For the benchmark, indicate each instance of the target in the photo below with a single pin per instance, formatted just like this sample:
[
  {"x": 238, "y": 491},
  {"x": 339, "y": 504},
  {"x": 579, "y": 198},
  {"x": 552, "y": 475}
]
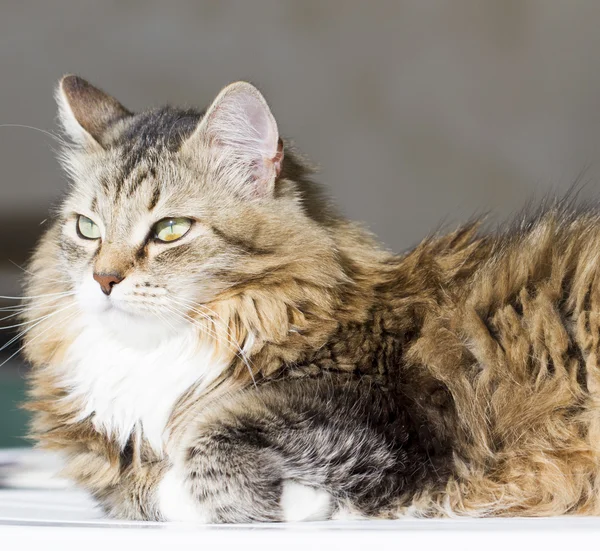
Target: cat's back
[{"x": 512, "y": 329}]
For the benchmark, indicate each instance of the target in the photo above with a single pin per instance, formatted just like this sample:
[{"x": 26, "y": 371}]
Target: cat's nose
[{"x": 108, "y": 281}]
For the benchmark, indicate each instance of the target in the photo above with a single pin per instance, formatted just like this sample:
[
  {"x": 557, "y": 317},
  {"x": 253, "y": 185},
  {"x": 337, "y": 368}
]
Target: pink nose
[{"x": 108, "y": 281}]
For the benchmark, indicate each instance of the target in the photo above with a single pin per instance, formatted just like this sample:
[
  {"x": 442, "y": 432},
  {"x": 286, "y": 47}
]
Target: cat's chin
[
  {"x": 132, "y": 329},
  {"x": 131, "y": 326}
]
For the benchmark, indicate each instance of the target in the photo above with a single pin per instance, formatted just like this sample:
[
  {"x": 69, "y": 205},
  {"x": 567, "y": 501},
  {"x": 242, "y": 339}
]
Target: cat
[{"x": 211, "y": 341}]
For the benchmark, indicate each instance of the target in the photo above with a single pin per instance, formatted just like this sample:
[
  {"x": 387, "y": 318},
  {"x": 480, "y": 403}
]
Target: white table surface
[{"x": 37, "y": 509}]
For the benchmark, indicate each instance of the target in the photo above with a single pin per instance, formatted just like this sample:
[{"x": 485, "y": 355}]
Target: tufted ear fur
[
  {"x": 241, "y": 134},
  {"x": 85, "y": 112}
]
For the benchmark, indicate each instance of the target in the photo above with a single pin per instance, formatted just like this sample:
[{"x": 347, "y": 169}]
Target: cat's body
[{"x": 287, "y": 368}]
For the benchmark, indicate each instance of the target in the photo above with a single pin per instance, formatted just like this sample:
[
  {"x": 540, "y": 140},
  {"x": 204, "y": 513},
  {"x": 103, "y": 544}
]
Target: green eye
[
  {"x": 87, "y": 228},
  {"x": 171, "y": 229}
]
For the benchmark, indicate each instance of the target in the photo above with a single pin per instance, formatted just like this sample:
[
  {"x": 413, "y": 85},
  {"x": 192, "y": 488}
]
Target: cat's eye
[
  {"x": 171, "y": 229},
  {"x": 86, "y": 228}
]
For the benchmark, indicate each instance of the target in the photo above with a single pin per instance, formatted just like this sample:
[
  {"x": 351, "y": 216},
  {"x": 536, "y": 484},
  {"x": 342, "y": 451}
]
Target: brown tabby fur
[{"x": 493, "y": 336}]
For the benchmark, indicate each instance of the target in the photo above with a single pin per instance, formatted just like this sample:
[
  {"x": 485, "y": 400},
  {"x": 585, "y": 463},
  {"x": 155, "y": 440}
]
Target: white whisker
[
  {"x": 19, "y": 310},
  {"x": 69, "y": 316},
  {"x": 25, "y": 331},
  {"x": 22, "y": 324},
  {"x": 192, "y": 306},
  {"x": 164, "y": 319},
  {"x": 48, "y": 133},
  {"x": 53, "y": 279},
  {"x": 62, "y": 294},
  {"x": 185, "y": 317},
  {"x": 231, "y": 340},
  {"x": 17, "y": 313}
]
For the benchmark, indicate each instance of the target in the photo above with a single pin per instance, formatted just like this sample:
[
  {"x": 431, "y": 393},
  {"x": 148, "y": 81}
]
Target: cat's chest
[{"x": 123, "y": 387}]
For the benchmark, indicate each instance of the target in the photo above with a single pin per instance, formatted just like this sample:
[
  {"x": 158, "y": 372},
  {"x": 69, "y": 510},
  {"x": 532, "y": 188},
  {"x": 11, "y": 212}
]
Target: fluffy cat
[{"x": 210, "y": 342}]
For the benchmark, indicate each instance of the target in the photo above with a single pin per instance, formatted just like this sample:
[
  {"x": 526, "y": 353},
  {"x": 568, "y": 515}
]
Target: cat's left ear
[
  {"x": 86, "y": 112},
  {"x": 241, "y": 135}
]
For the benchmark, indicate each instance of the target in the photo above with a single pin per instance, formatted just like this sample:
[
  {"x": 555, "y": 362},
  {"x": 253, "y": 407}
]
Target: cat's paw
[
  {"x": 346, "y": 514},
  {"x": 302, "y": 503},
  {"x": 176, "y": 502}
]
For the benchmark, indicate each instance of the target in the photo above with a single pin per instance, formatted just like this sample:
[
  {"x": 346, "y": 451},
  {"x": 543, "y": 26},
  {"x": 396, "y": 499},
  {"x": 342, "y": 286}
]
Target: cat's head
[{"x": 170, "y": 209}]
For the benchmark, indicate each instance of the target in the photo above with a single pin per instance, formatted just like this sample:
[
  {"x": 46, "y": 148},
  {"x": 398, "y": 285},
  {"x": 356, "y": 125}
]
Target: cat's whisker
[
  {"x": 214, "y": 320},
  {"x": 211, "y": 332},
  {"x": 21, "y": 309},
  {"x": 56, "y": 137},
  {"x": 61, "y": 280},
  {"x": 64, "y": 280},
  {"x": 17, "y": 313},
  {"x": 25, "y": 305},
  {"x": 241, "y": 355},
  {"x": 12, "y": 340},
  {"x": 16, "y": 308},
  {"x": 214, "y": 316},
  {"x": 231, "y": 340},
  {"x": 193, "y": 307},
  {"x": 159, "y": 314},
  {"x": 25, "y": 331},
  {"x": 61, "y": 294},
  {"x": 214, "y": 335},
  {"x": 24, "y": 323},
  {"x": 197, "y": 324},
  {"x": 68, "y": 317}
]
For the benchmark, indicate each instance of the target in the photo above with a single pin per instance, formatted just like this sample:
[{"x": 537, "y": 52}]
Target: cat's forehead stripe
[
  {"x": 138, "y": 149},
  {"x": 105, "y": 183},
  {"x": 136, "y": 182},
  {"x": 155, "y": 198},
  {"x": 133, "y": 176},
  {"x": 165, "y": 127},
  {"x": 129, "y": 162},
  {"x": 145, "y": 139}
]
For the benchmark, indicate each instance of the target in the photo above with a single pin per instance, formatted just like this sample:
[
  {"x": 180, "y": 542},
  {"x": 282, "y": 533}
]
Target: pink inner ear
[
  {"x": 258, "y": 119},
  {"x": 241, "y": 121}
]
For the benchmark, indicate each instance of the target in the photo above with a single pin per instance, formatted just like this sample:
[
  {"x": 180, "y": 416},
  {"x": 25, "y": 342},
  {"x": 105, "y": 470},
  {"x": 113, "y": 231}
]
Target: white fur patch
[
  {"x": 130, "y": 372},
  {"x": 345, "y": 514},
  {"x": 175, "y": 502},
  {"x": 302, "y": 503}
]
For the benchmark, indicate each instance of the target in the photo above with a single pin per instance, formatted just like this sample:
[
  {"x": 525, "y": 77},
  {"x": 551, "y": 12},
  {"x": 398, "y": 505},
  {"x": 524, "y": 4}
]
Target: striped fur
[{"x": 460, "y": 378}]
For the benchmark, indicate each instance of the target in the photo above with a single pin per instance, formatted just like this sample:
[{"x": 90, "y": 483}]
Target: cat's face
[{"x": 169, "y": 208}]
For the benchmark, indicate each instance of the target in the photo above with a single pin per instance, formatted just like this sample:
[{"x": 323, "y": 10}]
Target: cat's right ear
[
  {"x": 86, "y": 112},
  {"x": 241, "y": 135}
]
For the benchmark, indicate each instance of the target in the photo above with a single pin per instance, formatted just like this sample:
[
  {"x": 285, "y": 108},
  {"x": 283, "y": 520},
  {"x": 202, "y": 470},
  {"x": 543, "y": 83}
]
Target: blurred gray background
[{"x": 416, "y": 112}]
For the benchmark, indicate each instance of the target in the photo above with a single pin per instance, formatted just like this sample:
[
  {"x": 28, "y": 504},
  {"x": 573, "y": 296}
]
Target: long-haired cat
[{"x": 210, "y": 342}]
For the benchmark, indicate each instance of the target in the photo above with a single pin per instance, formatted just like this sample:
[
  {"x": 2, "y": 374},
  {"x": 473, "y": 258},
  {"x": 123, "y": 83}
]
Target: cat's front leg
[
  {"x": 134, "y": 495},
  {"x": 291, "y": 451},
  {"x": 229, "y": 476}
]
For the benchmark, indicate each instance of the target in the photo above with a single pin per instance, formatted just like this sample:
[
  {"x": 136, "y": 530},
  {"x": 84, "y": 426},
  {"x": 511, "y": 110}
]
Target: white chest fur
[{"x": 124, "y": 386}]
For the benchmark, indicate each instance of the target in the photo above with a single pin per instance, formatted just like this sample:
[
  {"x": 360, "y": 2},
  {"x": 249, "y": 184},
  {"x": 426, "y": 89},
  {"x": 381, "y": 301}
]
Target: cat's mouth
[
  {"x": 129, "y": 308},
  {"x": 134, "y": 329},
  {"x": 128, "y": 311},
  {"x": 122, "y": 300},
  {"x": 115, "y": 306}
]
